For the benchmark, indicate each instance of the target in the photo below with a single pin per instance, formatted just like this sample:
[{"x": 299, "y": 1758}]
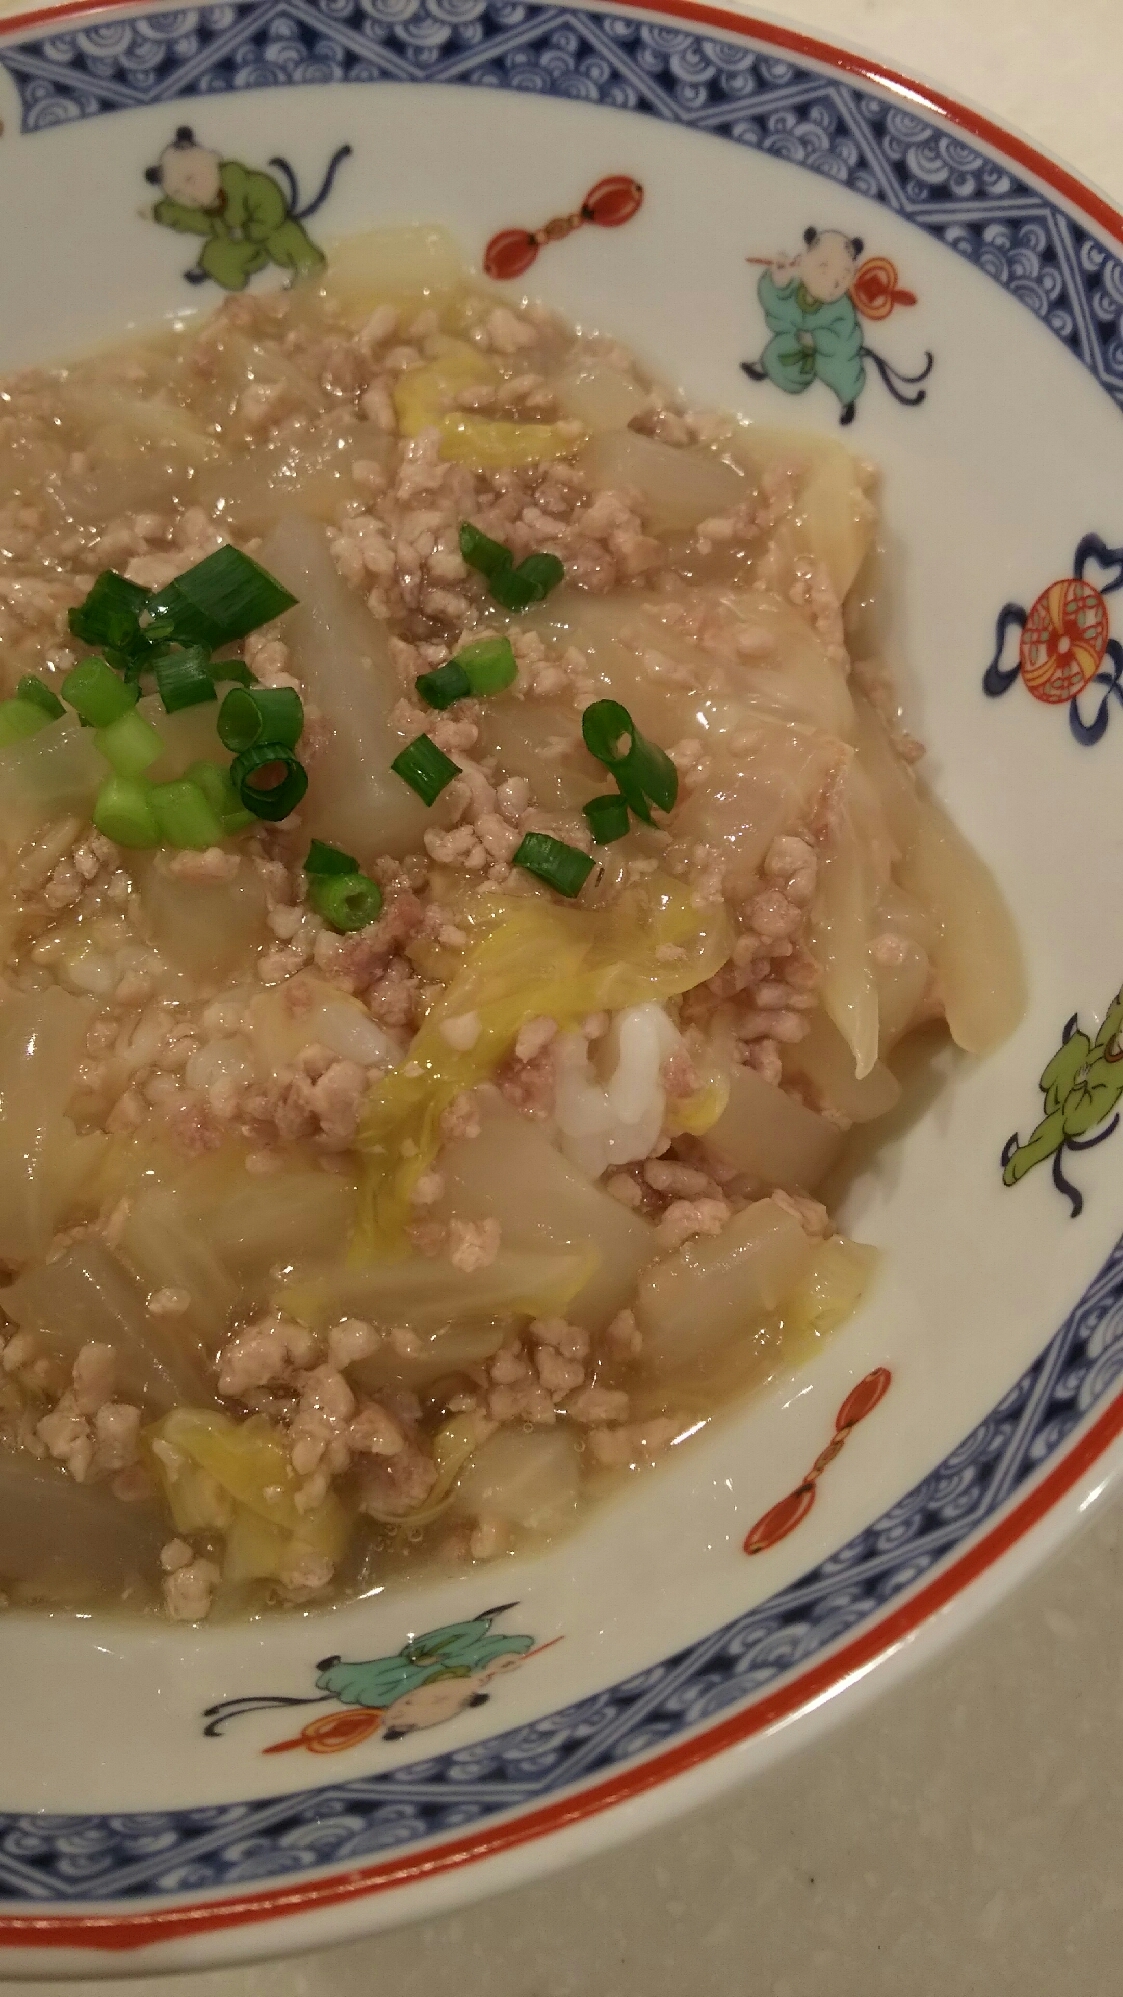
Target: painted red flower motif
[
  {"x": 1063, "y": 640},
  {"x": 784, "y": 1517},
  {"x": 608, "y": 205},
  {"x": 875, "y": 290},
  {"x": 331, "y": 1733}
]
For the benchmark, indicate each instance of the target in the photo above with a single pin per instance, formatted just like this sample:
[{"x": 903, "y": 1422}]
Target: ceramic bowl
[{"x": 859, "y": 1511}]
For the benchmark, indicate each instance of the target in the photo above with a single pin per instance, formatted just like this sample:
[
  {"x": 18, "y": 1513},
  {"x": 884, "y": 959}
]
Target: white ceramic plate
[{"x": 657, "y": 1659}]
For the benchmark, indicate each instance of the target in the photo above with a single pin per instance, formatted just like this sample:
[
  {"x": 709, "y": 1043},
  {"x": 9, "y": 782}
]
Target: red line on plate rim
[
  {"x": 119, "y": 1932},
  {"x": 126, "y": 1931}
]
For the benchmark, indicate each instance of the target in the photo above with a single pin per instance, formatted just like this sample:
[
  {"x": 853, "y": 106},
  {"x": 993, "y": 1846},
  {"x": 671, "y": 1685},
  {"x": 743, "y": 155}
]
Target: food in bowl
[{"x": 464, "y": 878}]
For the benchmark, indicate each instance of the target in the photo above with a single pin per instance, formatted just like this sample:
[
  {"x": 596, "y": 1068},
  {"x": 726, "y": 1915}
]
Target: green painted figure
[
  {"x": 246, "y": 219},
  {"x": 816, "y": 333},
  {"x": 811, "y": 304},
  {"x": 1082, "y": 1085},
  {"x": 429, "y": 1681},
  {"x": 459, "y": 1650}
]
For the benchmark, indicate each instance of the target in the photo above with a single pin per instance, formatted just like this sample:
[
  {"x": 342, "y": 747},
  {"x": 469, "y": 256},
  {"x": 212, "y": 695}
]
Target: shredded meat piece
[
  {"x": 374, "y": 1432},
  {"x": 262, "y": 1353},
  {"x": 811, "y": 1214},
  {"x": 530, "y": 1085},
  {"x": 473, "y": 1244},
  {"x": 526, "y": 1400},
  {"x": 684, "y": 1219},
  {"x": 350, "y": 1340},
  {"x": 533, "y": 1037},
  {"x": 571, "y": 1340},
  {"x": 393, "y": 1486},
  {"x": 558, "y": 1375},
  {"x": 189, "y": 1591},
  {"x": 623, "y": 1337},
  {"x": 489, "y": 1537}
]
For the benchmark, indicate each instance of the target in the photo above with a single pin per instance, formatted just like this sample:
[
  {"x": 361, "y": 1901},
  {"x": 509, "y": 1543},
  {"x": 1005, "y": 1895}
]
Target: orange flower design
[{"x": 1064, "y": 640}]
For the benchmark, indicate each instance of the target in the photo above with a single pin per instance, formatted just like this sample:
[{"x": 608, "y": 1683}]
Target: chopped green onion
[
  {"x": 426, "y": 768},
  {"x": 36, "y": 691},
  {"x": 347, "y": 901},
  {"x": 19, "y": 719},
  {"x": 185, "y": 816},
  {"x": 183, "y": 679},
  {"x": 608, "y": 731},
  {"x": 541, "y": 573},
  {"x": 560, "y": 866},
  {"x": 485, "y": 666},
  {"x": 488, "y": 663},
  {"x": 608, "y": 817},
  {"x": 249, "y": 715},
  {"x": 130, "y": 743},
  {"x": 222, "y": 598},
  {"x": 515, "y": 588},
  {"x": 644, "y": 773},
  {"x": 280, "y": 780},
  {"x": 215, "y": 784},
  {"x": 97, "y": 694},
  {"x": 110, "y": 614},
  {"x": 444, "y": 685},
  {"x": 489, "y": 558},
  {"x": 512, "y": 591},
  {"x": 324, "y": 859},
  {"x": 232, "y": 669},
  {"x": 123, "y": 811}
]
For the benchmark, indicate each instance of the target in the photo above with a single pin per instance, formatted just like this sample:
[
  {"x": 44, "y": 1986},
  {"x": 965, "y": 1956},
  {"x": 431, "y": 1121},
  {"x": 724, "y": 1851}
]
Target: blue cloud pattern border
[
  {"x": 1071, "y": 281},
  {"x": 47, "y": 1861},
  {"x": 922, "y": 171}
]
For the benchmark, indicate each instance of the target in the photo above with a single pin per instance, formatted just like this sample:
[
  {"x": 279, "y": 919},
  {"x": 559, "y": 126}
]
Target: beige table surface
[{"x": 964, "y": 1836}]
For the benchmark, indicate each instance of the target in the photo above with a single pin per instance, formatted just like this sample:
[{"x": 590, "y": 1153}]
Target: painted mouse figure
[
  {"x": 816, "y": 333},
  {"x": 246, "y": 218}
]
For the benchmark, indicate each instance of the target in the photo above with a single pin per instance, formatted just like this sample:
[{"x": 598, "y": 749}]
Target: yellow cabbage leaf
[
  {"x": 422, "y": 396},
  {"x": 250, "y": 1463},
  {"x": 533, "y": 960},
  {"x": 489, "y": 443}
]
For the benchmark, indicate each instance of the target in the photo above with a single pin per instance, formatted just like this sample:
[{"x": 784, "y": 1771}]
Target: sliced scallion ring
[
  {"x": 444, "y": 685},
  {"x": 562, "y": 867},
  {"x": 250, "y": 715},
  {"x": 426, "y": 768},
  {"x": 97, "y": 694},
  {"x": 489, "y": 665},
  {"x": 644, "y": 773},
  {"x": 325, "y": 859},
  {"x": 123, "y": 812},
  {"x": 185, "y": 816},
  {"x": 347, "y": 901},
  {"x": 20, "y": 718},
  {"x": 269, "y": 780},
  {"x": 607, "y": 817},
  {"x": 183, "y": 678},
  {"x": 35, "y": 690}
]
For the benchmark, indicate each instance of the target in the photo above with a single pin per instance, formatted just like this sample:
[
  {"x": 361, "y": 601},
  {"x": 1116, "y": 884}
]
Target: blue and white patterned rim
[
  {"x": 923, "y": 172},
  {"x": 1061, "y": 272}
]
